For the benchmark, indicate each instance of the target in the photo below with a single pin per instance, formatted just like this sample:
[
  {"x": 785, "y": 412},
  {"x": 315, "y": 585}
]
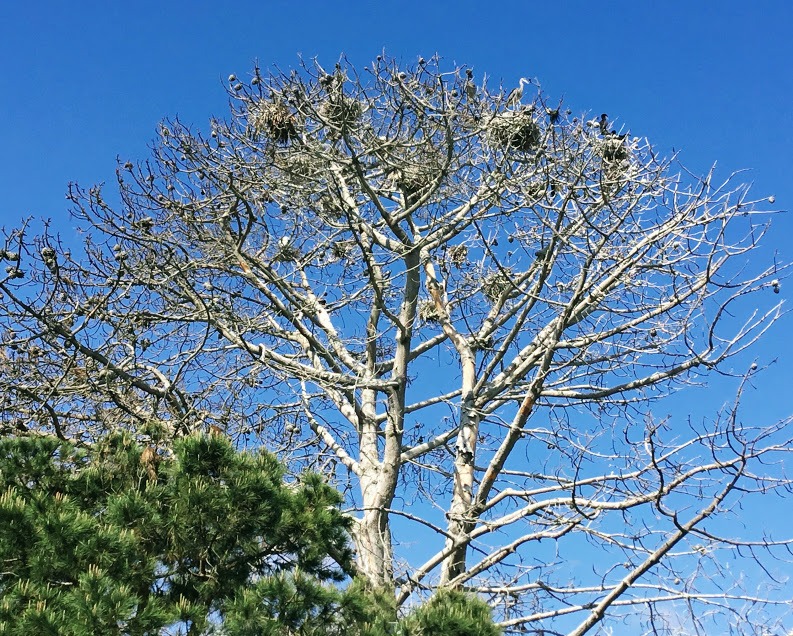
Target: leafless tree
[{"x": 460, "y": 305}]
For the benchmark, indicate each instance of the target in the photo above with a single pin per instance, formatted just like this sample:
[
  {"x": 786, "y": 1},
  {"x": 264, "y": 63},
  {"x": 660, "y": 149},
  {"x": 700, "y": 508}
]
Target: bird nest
[
  {"x": 536, "y": 189},
  {"x": 497, "y": 283},
  {"x": 614, "y": 149},
  {"x": 329, "y": 208},
  {"x": 514, "y": 129},
  {"x": 273, "y": 119},
  {"x": 286, "y": 253},
  {"x": 458, "y": 255},
  {"x": 416, "y": 169},
  {"x": 428, "y": 312},
  {"x": 341, "y": 113},
  {"x": 300, "y": 167},
  {"x": 342, "y": 249}
]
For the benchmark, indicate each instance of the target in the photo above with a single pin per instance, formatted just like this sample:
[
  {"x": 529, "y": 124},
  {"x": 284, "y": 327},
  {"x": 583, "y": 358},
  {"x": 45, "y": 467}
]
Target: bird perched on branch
[
  {"x": 516, "y": 94},
  {"x": 604, "y": 124}
]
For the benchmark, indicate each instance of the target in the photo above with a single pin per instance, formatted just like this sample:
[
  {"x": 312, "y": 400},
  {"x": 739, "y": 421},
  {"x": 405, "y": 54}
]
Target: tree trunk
[
  {"x": 372, "y": 532},
  {"x": 460, "y": 511}
]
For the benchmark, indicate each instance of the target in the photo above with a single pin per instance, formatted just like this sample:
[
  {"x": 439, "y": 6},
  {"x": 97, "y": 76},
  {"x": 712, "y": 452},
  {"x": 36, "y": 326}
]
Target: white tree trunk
[{"x": 372, "y": 534}]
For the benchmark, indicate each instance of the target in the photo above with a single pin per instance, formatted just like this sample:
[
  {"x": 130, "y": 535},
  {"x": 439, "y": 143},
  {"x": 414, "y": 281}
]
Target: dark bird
[{"x": 604, "y": 123}]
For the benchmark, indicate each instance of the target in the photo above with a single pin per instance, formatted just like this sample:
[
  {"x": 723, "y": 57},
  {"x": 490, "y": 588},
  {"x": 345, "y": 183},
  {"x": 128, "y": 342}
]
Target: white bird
[{"x": 514, "y": 97}]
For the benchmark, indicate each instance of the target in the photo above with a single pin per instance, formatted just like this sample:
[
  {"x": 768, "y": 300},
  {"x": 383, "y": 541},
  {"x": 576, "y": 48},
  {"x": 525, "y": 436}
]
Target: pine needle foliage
[
  {"x": 117, "y": 539},
  {"x": 90, "y": 544}
]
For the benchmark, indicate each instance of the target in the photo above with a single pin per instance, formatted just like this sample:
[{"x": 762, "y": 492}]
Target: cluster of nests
[
  {"x": 518, "y": 130},
  {"x": 274, "y": 118},
  {"x": 494, "y": 286},
  {"x": 514, "y": 129}
]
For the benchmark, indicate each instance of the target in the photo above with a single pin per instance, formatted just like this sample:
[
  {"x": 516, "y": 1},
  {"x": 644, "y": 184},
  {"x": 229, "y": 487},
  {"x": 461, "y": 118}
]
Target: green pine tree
[
  {"x": 117, "y": 539},
  {"x": 451, "y": 613}
]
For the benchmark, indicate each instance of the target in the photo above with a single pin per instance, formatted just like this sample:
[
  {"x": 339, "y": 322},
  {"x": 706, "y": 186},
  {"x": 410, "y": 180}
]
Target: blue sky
[{"x": 85, "y": 82}]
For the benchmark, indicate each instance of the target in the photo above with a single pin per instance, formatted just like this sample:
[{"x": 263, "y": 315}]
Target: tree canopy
[{"x": 461, "y": 304}]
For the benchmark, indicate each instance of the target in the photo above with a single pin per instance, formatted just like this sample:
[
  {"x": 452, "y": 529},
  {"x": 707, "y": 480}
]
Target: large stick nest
[
  {"x": 614, "y": 148},
  {"x": 458, "y": 255},
  {"x": 273, "y": 119},
  {"x": 497, "y": 283},
  {"x": 286, "y": 253},
  {"x": 329, "y": 208},
  {"x": 416, "y": 169},
  {"x": 514, "y": 129},
  {"x": 299, "y": 167},
  {"x": 342, "y": 249},
  {"x": 341, "y": 113},
  {"x": 428, "y": 312}
]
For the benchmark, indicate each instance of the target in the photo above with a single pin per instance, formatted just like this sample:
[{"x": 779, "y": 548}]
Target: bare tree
[{"x": 459, "y": 303}]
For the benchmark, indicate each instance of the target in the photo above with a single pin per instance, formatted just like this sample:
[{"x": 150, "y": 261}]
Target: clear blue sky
[{"x": 84, "y": 82}]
